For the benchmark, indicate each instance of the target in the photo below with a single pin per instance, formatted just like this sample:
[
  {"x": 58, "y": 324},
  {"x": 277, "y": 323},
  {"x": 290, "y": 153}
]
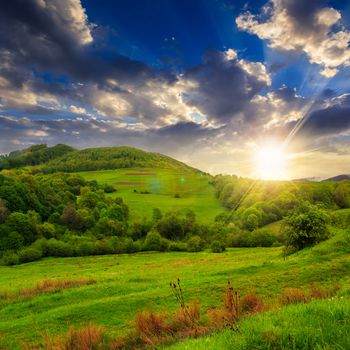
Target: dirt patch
[
  {"x": 128, "y": 183},
  {"x": 141, "y": 174},
  {"x": 211, "y": 260},
  {"x": 183, "y": 262}
]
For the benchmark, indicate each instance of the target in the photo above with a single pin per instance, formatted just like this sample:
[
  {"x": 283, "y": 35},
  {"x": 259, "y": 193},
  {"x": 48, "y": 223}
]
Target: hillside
[
  {"x": 63, "y": 158},
  {"x": 114, "y": 288},
  {"x": 104, "y": 158},
  {"x": 33, "y": 155},
  {"x": 167, "y": 189},
  {"x": 338, "y": 178}
]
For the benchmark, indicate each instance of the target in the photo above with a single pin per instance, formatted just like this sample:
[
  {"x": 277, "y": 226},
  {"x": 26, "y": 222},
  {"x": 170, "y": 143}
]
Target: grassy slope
[
  {"x": 322, "y": 324},
  {"x": 129, "y": 283},
  {"x": 193, "y": 188}
]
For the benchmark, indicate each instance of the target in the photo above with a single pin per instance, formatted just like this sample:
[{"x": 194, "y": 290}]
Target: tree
[
  {"x": 157, "y": 214},
  {"x": 307, "y": 225},
  {"x": 170, "y": 226},
  {"x": 4, "y": 212},
  {"x": 23, "y": 224},
  {"x": 342, "y": 196},
  {"x": 70, "y": 217}
]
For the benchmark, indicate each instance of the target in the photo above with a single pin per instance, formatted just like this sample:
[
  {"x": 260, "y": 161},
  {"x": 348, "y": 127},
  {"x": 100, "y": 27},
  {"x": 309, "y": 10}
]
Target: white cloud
[
  {"x": 71, "y": 15},
  {"x": 315, "y": 35}
]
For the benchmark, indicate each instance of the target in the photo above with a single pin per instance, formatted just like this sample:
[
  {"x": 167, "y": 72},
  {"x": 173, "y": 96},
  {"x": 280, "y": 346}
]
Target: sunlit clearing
[{"x": 270, "y": 162}]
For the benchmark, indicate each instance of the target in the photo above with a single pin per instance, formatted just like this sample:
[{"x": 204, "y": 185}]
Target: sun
[{"x": 270, "y": 163}]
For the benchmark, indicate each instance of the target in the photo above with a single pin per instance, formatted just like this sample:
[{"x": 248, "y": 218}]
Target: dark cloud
[
  {"x": 222, "y": 87},
  {"x": 328, "y": 121},
  {"x": 55, "y": 37}
]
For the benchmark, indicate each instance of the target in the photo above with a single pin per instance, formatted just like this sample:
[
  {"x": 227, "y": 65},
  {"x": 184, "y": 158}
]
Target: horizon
[{"x": 259, "y": 89}]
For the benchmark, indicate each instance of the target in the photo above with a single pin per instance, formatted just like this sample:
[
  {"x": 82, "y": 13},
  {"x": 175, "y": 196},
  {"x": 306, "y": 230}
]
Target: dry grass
[
  {"x": 298, "y": 295},
  {"x": 151, "y": 327},
  {"x": 316, "y": 292},
  {"x": 46, "y": 286},
  {"x": 251, "y": 303},
  {"x": 90, "y": 337},
  {"x": 293, "y": 296}
]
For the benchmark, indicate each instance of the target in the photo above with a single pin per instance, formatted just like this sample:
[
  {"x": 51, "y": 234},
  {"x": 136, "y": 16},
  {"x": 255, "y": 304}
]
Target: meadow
[
  {"x": 119, "y": 286},
  {"x": 144, "y": 189}
]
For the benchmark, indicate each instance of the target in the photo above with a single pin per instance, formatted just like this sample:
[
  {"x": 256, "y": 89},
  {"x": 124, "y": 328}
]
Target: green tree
[
  {"x": 23, "y": 224},
  {"x": 342, "y": 196},
  {"x": 4, "y": 212},
  {"x": 307, "y": 225},
  {"x": 170, "y": 226}
]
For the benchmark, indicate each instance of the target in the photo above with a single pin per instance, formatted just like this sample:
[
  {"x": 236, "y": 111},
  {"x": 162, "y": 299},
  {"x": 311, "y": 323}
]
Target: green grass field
[
  {"x": 126, "y": 284},
  {"x": 163, "y": 184},
  {"x": 322, "y": 324}
]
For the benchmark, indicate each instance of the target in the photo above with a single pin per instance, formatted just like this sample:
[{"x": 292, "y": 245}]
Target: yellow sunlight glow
[{"x": 270, "y": 162}]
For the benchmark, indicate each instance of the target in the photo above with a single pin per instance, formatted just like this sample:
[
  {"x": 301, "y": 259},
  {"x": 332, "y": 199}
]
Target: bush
[
  {"x": 53, "y": 247},
  {"x": 129, "y": 246},
  {"x": 85, "y": 249},
  {"x": 29, "y": 254},
  {"x": 109, "y": 189},
  {"x": 262, "y": 238},
  {"x": 177, "y": 247},
  {"x": 195, "y": 244},
  {"x": 154, "y": 241},
  {"x": 217, "y": 247},
  {"x": 10, "y": 259}
]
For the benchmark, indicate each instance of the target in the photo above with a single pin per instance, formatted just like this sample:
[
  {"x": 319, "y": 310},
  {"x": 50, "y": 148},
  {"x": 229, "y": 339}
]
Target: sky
[{"x": 209, "y": 82}]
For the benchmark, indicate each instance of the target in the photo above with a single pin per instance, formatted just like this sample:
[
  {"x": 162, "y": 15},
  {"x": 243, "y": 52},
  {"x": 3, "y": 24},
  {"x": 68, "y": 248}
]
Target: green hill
[
  {"x": 33, "y": 155},
  {"x": 104, "y": 158},
  {"x": 63, "y": 158},
  {"x": 167, "y": 189}
]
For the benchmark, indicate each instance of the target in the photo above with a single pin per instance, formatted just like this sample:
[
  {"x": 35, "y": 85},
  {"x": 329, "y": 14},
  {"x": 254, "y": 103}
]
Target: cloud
[
  {"x": 334, "y": 119},
  {"x": 304, "y": 26},
  {"x": 222, "y": 85}
]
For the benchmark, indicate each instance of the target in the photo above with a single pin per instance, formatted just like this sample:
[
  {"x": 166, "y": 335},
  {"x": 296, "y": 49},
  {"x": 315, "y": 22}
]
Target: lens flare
[{"x": 270, "y": 163}]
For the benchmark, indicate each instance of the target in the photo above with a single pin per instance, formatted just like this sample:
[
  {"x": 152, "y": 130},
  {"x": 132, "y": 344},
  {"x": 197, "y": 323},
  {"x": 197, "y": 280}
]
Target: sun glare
[{"x": 270, "y": 163}]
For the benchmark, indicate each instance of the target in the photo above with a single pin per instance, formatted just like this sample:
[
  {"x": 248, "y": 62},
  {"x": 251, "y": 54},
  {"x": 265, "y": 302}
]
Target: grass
[
  {"x": 127, "y": 284},
  {"x": 322, "y": 324},
  {"x": 163, "y": 184}
]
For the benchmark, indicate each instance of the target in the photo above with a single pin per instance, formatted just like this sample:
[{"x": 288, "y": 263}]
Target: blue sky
[{"x": 206, "y": 81}]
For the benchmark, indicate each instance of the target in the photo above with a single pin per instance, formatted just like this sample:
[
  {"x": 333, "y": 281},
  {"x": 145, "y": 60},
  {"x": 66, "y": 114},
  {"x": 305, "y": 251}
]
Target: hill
[
  {"x": 110, "y": 290},
  {"x": 33, "y": 155},
  {"x": 63, "y": 158},
  {"x": 104, "y": 158},
  {"x": 338, "y": 178},
  {"x": 167, "y": 189}
]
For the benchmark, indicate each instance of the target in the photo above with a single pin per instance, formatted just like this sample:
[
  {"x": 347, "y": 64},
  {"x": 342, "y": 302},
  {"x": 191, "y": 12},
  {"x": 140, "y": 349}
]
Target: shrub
[
  {"x": 195, "y": 244},
  {"x": 154, "y": 241},
  {"x": 85, "y": 249},
  {"x": 102, "y": 248},
  {"x": 129, "y": 246},
  {"x": 29, "y": 254},
  {"x": 109, "y": 188},
  {"x": 10, "y": 259},
  {"x": 251, "y": 303},
  {"x": 177, "y": 247},
  {"x": 53, "y": 247},
  {"x": 217, "y": 247},
  {"x": 262, "y": 238}
]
